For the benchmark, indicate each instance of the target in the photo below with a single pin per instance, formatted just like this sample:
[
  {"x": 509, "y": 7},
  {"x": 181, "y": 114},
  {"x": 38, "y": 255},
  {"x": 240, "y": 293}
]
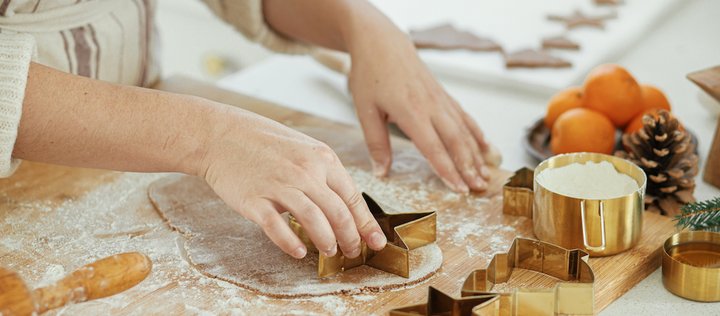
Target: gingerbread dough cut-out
[
  {"x": 447, "y": 37},
  {"x": 220, "y": 243},
  {"x": 530, "y": 58}
]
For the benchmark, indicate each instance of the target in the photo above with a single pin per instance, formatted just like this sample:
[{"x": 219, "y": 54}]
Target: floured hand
[{"x": 262, "y": 168}]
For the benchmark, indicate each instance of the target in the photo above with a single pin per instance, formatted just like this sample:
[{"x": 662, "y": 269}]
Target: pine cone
[{"x": 667, "y": 155}]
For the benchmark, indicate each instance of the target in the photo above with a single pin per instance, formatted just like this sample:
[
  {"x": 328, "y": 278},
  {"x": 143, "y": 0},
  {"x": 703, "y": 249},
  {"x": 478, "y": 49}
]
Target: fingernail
[
  {"x": 378, "y": 240},
  {"x": 331, "y": 252},
  {"x": 480, "y": 183},
  {"x": 463, "y": 188},
  {"x": 460, "y": 187},
  {"x": 485, "y": 172},
  {"x": 354, "y": 253},
  {"x": 299, "y": 252},
  {"x": 378, "y": 169}
]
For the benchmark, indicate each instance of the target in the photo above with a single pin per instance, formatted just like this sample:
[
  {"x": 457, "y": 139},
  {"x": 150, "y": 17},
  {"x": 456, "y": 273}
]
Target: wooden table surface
[{"x": 41, "y": 238}]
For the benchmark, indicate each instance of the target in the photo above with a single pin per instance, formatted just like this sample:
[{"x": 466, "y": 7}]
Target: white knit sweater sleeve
[
  {"x": 16, "y": 51},
  {"x": 247, "y": 17}
]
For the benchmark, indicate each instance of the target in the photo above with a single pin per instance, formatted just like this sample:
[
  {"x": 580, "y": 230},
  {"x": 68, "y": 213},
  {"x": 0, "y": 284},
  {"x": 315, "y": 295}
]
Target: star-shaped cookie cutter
[
  {"x": 575, "y": 295},
  {"x": 404, "y": 231}
]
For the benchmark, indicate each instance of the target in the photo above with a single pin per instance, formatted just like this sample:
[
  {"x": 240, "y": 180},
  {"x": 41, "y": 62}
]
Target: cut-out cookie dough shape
[
  {"x": 578, "y": 19},
  {"x": 530, "y": 58},
  {"x": 559, "y": 42},
  {"x": 447, "y": 37}
]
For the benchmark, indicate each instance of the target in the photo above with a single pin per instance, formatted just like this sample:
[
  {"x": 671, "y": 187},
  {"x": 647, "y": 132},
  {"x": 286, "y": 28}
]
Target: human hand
[
  {"x": 262, "y": 168},
  {"x": 390, "y": 83}
]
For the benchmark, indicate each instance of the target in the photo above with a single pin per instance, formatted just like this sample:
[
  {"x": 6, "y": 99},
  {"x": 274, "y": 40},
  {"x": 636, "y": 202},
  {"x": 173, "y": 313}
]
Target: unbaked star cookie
[
  {"x": 447, "y": 37},
  {"x": 559, "y": 42},
  {"x": 530, "y": 58},
  {"x": 578, "y": 19}
]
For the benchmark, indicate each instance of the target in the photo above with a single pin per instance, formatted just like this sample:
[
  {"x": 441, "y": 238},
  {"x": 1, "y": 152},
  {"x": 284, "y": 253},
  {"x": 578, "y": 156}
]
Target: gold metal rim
[
  {"x": 602, "y": 227},
  {"x": 637, "y": 173},
  {"x": 687, "y": 280}
]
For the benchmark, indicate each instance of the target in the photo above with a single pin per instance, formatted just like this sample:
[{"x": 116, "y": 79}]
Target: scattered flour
[
  {"x": 332, "y": 304},
  {"x": 11, "y": 244},
  {"x": 364, "y": 298},
  {"x": 117, "y": 217},
  {"x": 590, "y": 180},
  {"x": 53, "y": 274}
]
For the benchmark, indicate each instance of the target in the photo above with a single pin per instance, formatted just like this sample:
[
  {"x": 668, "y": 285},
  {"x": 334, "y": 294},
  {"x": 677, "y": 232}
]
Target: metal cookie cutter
[
  {"x": 573, "y": 296},
  {"x": 404, "y": 232},
  {"x": 518, "y": 193}
]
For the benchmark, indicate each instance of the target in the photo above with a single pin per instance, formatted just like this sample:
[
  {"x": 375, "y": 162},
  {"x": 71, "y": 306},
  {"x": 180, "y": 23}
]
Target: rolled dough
[{"x": 221, "y": 244}]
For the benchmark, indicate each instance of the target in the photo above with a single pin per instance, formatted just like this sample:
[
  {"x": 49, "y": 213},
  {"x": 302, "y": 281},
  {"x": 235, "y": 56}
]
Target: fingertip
[
  {"x": 299, "y": 252},
  {"x": 485, "y": 172},
  {"x": 380, "y": 169},
  {"x": 377, "y": 241},
  {"x": 459, "y": 186},
  {"x": 331, "y": 251},
  {"x": 479, "y": 184}
]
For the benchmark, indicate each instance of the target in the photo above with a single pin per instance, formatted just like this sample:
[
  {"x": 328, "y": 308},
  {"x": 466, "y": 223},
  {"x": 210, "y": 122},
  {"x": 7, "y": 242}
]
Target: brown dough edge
[{"x": 185, "y": 256}]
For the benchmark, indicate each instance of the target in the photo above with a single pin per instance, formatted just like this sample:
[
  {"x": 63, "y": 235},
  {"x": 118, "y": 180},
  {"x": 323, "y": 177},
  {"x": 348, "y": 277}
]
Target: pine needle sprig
[{"x": 704, "y": 215}]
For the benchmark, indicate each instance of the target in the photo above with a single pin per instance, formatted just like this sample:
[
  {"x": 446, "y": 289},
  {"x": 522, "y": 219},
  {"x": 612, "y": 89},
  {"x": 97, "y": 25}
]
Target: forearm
[
  {"x": 345, "y": 25},
  {"x": 75, "y": 121}
]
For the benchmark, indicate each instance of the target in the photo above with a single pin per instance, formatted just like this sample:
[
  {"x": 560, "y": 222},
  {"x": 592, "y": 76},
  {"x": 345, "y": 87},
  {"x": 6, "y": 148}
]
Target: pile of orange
[{"x": 584, "y": 119}]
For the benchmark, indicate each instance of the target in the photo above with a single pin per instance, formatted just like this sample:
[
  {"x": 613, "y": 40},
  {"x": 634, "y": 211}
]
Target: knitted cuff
[{"x": 16, "y": 51}]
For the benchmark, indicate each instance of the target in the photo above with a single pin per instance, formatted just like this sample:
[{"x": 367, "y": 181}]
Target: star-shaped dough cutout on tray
[
  {"x": 530, "y": 58},
  {"x": 579, "y": 18},
  {"x": 447, "y": 37},
  {"x": 608, "y": 2},
  {"x": 559, "y": 42}
]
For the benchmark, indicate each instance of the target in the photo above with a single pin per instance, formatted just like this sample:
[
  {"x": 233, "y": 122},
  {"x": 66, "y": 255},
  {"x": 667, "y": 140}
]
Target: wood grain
[
  {"x": 174, "y": 288},
  {"x": 712, "y": 163}
]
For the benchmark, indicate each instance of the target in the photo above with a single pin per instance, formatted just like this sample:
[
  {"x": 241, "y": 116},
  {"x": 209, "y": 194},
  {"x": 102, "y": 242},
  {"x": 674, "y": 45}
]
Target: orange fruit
[
  {"x": 612, "y": 90},
  {"x": 653, "y": 98},
  {"x": 562, "y": 101},
  {"x": 582, "y": 130}
]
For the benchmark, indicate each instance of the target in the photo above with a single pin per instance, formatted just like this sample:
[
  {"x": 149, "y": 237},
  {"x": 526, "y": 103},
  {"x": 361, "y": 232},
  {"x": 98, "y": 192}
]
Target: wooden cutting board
[{"x": 54, "y": 219}]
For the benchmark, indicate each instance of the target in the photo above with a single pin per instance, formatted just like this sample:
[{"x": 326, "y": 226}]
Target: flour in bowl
[{"x": 588, "y": 181}]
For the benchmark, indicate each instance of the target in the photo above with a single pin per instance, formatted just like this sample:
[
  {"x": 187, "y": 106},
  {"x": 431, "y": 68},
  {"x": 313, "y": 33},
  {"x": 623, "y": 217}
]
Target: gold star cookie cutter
[
  {"x": 405, "y": 231},
  {"x": 574, "y": 295}
]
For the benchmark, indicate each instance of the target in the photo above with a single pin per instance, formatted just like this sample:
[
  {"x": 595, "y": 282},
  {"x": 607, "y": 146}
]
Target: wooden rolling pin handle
[{"x": 99, "y": 279}]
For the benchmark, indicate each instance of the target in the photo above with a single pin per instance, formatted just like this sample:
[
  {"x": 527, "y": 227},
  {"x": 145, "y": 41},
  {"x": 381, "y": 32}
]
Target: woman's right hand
[
  {"x": 262, "y": 168},
  {"x": 257, "y": 166}
]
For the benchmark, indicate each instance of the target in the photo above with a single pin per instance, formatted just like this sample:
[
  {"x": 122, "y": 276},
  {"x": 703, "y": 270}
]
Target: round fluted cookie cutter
[{"x": 691, "y": 265}]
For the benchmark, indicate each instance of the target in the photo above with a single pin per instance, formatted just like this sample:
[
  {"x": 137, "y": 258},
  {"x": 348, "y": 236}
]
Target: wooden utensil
[
  {"x": 99, "y": 279},
  {"x": 712, "y": 164}
]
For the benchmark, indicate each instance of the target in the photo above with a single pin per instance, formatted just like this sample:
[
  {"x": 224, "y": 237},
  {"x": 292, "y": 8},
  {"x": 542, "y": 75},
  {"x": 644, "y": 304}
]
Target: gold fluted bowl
[
  {"x": 691, "y": 265},
  {"x": 602, "y": 227}
]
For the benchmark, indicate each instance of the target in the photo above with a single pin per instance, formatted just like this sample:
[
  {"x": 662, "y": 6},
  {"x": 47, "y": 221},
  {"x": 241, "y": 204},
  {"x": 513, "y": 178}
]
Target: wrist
[
  {"x": 202, "y": 123},
  {"x": 368, "y": 30}
]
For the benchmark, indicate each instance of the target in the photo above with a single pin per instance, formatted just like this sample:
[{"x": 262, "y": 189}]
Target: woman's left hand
[{"x": 390, "y": 83}]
